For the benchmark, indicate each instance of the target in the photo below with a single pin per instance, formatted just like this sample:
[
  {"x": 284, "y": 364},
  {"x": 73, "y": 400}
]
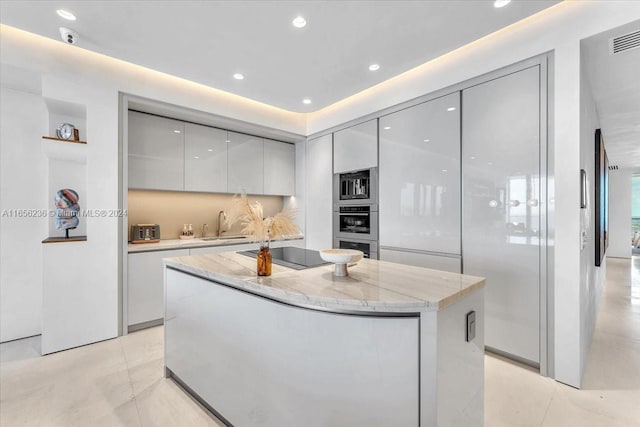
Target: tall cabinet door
[
  {"x": 205, "y": 151},
  {"x": 319, "y": 193},
  {"x": 501, "y": 207},
  {"x": 420, "y": 177}
]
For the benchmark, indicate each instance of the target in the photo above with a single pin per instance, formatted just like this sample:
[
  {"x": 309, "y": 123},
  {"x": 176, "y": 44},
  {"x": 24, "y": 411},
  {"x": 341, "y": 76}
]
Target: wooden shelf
[
  {"x": 63, "y": 140},
  {"x": 64, "y": 239}
]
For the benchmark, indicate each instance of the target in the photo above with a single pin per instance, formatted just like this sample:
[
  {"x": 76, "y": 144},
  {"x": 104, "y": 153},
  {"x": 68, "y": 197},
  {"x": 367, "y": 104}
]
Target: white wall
[
  {"x": 23, "y": 186},
  {"x": 619, "y": 213},
  {"x": 558, "y": 29},
  {"x": 94, "y": 81}
]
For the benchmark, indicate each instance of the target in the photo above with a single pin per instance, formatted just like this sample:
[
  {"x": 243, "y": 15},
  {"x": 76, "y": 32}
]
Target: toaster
[{"x": 145, "y": 233}]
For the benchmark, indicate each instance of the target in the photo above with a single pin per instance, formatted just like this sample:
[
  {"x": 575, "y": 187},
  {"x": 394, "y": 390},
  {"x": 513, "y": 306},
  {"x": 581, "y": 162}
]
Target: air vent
[
  {"x": 626, "y": 42},
  {"x": 613, "y": 167}
]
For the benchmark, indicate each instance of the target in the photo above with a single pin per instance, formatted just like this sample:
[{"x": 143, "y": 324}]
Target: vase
[{"x": 264, "y": 260}]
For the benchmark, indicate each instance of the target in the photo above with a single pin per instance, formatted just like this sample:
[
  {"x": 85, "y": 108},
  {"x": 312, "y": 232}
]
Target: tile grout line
[
  {"x": 546, "y": 411},
  {"x": 133, "y": 393}
]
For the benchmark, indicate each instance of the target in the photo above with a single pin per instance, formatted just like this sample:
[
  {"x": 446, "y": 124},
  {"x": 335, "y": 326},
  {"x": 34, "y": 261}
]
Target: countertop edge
[
  {"x": 173, "y": 244},
  {"x": 343, "y": 306}
]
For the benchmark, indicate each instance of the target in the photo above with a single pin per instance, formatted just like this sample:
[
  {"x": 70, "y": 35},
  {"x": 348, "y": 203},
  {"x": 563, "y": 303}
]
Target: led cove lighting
[
  {"x": 374, "y": 67},
  {"x": 299, "y": 22},
  {"x": 451, "y": 109},
  {"x": 238, "y": 76},
  {"x": 65, "y": 14},
  {"x": 501, "y": 3},
  {"x": 306, "y": 101}
]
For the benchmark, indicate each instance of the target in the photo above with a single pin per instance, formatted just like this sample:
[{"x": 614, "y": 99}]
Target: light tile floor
[{"x": 120, "y": 382}]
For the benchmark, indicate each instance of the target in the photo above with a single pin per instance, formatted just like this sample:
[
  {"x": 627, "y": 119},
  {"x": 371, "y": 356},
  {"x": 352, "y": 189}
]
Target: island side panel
[
  {"x": 259, "y": 362},
  {"x": 459, "y": 368}
]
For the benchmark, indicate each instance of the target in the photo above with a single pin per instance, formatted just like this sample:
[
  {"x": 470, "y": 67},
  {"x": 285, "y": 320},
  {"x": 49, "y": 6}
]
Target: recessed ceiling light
[
  {"x": 65, "y": 14},
  {"x": 176, "y": 131},
  {"x": 196, "y": 157},
  {"x": 210, "y": 150},
  {"x": 451, "y": 109},
  {"x": 228, "y": 140},
  {"x": 473, "y": 157},
  {"x": 386, "y": 127},
  {"x": 445, "y": 170},
  {"x": 374, "y": 67},
  {"x": 426, "y": 140},
  {"x": 238, "y": 76},
  {"x": 501, "y": 3},
  {"x": 299, "y": 22},
  {"x": 306, "y": 101}
]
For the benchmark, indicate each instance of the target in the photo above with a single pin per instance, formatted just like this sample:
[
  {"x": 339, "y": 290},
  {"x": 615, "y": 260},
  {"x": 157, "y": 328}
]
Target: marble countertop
[
  {"x": 164, "y": 245},
  {"x": 372, "y": 286}
]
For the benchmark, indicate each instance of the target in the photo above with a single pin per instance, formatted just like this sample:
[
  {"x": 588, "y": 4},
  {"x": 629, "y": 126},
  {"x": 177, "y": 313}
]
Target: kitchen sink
[{"x": 206, "y": 239}]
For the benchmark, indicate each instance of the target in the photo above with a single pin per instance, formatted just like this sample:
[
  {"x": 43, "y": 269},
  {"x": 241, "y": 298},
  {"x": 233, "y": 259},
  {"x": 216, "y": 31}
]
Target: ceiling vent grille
[
  {"x": 626, "y": 42},
  {"x": 613, "y": 167}
]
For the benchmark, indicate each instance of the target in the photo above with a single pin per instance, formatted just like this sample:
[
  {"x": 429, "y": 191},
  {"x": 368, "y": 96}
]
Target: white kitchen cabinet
[
  {"x": 156, "y": 152},
  {"x": 246, "y": 164},
  {"x": 356, "y": 147},
  {"x": 437, "y": 262},
  {"x": 319, "y": 193},
  {"x": 420, "y": 177},
  {"x": 145, "y": 287},
  {"x": 205, "y": 159},
  {"x": 279, "y": 168},
  {"x": 501, "y": 216}
]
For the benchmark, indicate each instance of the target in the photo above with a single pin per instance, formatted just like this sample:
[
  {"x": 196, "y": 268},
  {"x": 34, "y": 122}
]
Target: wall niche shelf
[
  {"x": 52, "y": 138},
  {"x": 64, "y": 239}
]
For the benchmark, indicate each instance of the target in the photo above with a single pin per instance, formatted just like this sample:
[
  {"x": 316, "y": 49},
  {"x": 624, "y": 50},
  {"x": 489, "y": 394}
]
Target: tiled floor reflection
[{"x": 120, "y": 382}]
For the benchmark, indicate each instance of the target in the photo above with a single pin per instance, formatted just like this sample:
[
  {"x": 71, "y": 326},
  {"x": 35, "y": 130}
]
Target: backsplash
[{"x": 172, "y": 209}]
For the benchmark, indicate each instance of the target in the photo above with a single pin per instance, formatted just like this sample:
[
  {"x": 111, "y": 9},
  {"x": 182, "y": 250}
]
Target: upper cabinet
[
  {"x": 420, "y": 177},
  {"x": 279, "y": 168},
  {"x": 246, "y": 164},
  {"x": 205, "y": 152},
  {"x": 356, "y": 147},
  {"x": 156, "y": 152},
  {"x": 167, "y": 154}
]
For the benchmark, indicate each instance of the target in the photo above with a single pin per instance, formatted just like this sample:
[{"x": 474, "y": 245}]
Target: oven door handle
[{"x": 354, "y": 214}]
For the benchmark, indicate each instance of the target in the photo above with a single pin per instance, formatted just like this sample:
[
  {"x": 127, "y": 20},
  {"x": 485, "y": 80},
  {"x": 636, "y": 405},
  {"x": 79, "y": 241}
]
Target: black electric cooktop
[{"x": 292, "y": 257}]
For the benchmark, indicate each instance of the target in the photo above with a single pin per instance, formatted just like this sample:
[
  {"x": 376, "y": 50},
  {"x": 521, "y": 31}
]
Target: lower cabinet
[
  {"x": 145, "y": 287},
  {"x": 437, "y": 262},
  {"x": 145, "y": 280}
]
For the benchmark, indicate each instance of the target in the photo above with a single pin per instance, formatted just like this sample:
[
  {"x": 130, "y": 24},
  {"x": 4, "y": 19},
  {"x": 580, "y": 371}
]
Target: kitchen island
[{"x": 387, "y": 345}]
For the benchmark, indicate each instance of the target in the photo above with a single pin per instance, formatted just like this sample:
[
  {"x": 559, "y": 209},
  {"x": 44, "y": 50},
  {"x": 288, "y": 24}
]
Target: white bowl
[{"x": 341, "y": 257}]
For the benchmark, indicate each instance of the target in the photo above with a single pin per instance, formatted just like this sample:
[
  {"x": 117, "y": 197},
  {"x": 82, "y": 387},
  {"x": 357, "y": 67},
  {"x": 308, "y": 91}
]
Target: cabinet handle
[
  {"x": 532, "y": 202},
  {"x": 514, "y": 203}
]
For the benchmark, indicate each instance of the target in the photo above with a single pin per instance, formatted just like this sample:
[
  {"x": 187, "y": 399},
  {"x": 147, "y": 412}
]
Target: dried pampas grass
[{"x": 252, "y": 219}]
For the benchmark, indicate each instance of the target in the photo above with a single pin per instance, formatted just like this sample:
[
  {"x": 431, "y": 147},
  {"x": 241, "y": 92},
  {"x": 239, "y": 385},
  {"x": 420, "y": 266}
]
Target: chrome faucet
[
  {"x": 221, "y": 229},
  {"x": 205, "y": 228}
]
